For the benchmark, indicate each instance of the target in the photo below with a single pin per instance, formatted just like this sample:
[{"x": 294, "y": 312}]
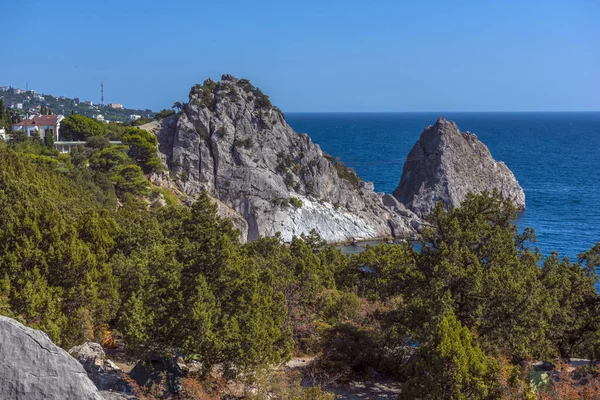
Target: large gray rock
[
  {"x": 32, "y": 367},
  {"x": 231, "y": 142},
  {"x": 105, "y": 374},
  {"x": 446, "y": 164}
]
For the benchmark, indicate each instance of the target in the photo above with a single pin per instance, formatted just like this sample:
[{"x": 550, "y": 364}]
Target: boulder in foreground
[{"x": 32, "y": 367}]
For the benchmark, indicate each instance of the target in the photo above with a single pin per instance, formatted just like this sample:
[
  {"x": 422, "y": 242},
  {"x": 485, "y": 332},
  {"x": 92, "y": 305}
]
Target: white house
[
  {"x": 41, "y": 125},
  {"x": 89, "y": 102},
  {"x": 134, "y": 117},
  {"x": 3, "y": 134},
  {"x": 99, "y": 117}
]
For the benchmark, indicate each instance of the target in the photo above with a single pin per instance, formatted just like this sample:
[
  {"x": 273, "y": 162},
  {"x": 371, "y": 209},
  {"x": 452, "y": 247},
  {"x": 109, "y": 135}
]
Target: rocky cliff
[
  {"x": 231, "y": 141},
  {"x": 32, "y": 367},
  {"x": 445, "y": 164}
]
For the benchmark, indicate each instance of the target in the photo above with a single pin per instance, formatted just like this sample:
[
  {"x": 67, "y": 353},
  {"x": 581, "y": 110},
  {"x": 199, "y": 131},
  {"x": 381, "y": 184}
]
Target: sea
[{"x": 554, "y": 156}]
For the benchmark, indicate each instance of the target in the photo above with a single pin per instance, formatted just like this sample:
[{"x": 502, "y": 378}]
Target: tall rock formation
[
  {"x": 446, "y": 164},
  {"x": 231, "y": 141},
  {"x": 32, "y": 367}
]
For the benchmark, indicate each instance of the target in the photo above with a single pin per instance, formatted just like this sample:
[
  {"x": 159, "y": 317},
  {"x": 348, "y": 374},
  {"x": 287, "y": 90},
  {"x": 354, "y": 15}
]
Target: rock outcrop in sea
[
  {"x": 32, "y": 367},
  {"x": 230, "y": 141},
  {"x": 446, "y": 164}
]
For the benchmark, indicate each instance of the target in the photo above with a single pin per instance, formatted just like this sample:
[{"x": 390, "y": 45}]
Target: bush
[
  {"x": 296, "y": 202},
  {"x": 142, "y": 121},
  {"x": 170, "y": 198},
  {"x": 343, "y": 171},
  {"x": 164, "y": 114},
  {"x": 97, "y": 142},
  {"x": 245, "y": 143},
  {"x": 450, "y": 366},
  {"x": 288, "y": 179},
  {"x": 203, "y": 93},
  {"x": 348, "y": 349}
]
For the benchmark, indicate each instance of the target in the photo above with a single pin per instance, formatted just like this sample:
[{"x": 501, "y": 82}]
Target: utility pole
[{"x": 102, "y": 93}]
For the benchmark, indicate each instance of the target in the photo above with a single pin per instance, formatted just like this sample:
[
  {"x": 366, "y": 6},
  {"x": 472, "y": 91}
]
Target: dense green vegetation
[
  {"x": 141, "y": 144},
  {"x": 6, "y": 116},
  {"x": 451, "y": 318}
]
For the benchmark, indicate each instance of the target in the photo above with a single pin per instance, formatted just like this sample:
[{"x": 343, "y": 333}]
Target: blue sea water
[{"x": 554, "y": 156}]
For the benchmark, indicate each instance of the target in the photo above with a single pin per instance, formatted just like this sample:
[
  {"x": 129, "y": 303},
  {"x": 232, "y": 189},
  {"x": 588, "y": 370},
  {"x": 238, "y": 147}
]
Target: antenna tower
[{"x": 102, "y": 93}]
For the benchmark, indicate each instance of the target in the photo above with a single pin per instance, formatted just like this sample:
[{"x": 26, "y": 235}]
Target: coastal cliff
[
  {"x": 231, "y": 142},
  {"x": 446, "y": 164}
]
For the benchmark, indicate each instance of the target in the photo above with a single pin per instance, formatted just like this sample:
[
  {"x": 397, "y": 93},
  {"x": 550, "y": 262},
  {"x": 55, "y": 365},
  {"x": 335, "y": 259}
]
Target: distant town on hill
[{"x": 30, "y": 102}]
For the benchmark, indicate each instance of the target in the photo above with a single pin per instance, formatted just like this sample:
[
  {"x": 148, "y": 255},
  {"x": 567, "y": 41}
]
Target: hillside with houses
[{"x": 28, "y": 102}]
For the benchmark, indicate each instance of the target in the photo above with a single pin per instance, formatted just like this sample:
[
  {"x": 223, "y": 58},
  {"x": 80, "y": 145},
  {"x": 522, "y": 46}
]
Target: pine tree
[
  {"x": 471, "y": 259},
  {"x": 49, "y": 140},
  {"x": 451, "y": 366},
  {"x": 142, "y": 149},
  {"x": 136, "y": 323}
]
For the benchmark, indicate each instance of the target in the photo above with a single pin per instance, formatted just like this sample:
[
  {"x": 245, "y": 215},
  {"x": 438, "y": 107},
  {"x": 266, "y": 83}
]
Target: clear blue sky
[{"x": 312, "y": 55}]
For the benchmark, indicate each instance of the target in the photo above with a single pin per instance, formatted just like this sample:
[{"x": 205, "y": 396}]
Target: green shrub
[
  {"x": 339, "y": 306},
  {"x": 163, "y": 114},
  {"x": 450, "y": 365},
  {"x": 288, "y": 179},
  {"x": 245, "y": 143},
  {"x": 202, "y": 94},
  {"x": 343, "y": 171},
  {"x": 296, "y": 202},
  {"x": 170, "y": 198}
]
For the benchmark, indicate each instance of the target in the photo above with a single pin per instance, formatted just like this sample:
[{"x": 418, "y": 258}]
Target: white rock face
[
  {"x": 32, "y": 367},
  {"x": 446, "y": 164},
  {"x": 231, "y": 142}
]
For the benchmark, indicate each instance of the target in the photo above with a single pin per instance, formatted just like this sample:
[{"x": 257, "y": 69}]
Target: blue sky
[{"x": 310, "y": 55}]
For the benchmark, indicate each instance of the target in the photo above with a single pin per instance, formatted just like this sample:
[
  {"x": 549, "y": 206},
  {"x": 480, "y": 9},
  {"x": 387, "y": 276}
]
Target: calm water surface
[{"x": 554, "y": 156}]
